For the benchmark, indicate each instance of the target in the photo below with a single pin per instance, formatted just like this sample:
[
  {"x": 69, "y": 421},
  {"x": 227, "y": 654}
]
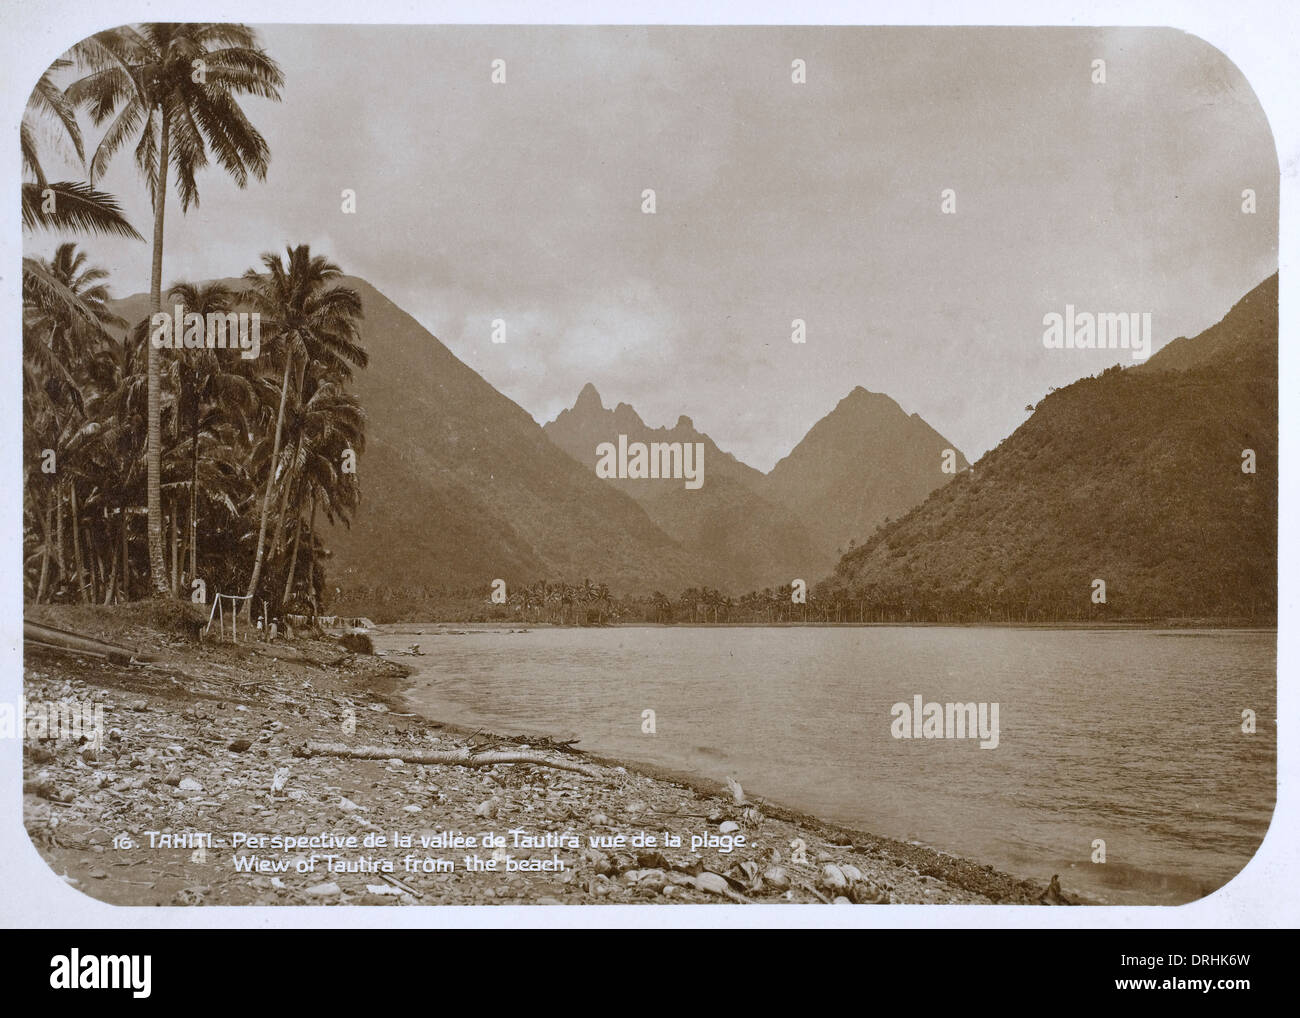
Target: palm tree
[
  {"x": 59, "y": 340},
  {"x": 173, "y": 86},
  {"x": 71, "y": 206},
  {"x": 61, "y": 205},
  {"x": 59, "y": 336},
  {"x": 303, "y": 320},
  {"x": 329, "y": 422},
  {"x": 207, "y": 384},
  {"x": 119, "y": 404}
]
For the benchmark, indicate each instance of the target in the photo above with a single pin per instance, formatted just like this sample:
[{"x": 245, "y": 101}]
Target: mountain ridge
[
  {"x": 867, "y": 460},
  {"x": 799, "y": 515},
  {"x": 461, "y": 487},
  {"x": 1133, "y": 477},
  {"x": 755, "y": 542}
]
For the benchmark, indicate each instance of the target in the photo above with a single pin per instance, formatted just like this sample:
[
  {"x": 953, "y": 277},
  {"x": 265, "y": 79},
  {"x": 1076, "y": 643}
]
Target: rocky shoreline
[{"x": 207, "y": 758}]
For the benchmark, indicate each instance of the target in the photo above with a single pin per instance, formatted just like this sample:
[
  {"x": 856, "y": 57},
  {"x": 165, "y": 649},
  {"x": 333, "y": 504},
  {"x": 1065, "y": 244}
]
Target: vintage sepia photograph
[{"x": 581, "y": 465}]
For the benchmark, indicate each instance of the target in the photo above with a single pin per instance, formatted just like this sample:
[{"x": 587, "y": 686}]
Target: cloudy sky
[{"x": 775, "y": 201}]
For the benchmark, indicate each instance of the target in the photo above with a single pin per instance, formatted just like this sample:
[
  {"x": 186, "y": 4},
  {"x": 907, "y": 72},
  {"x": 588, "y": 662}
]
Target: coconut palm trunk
[
  {"x": 187, "y": 576},
  {"x": 290, "y": 481},
  {"x": 78, "y": 561},
  {"x": 59, "y": 543},
  {"x": 194, "y": 493},
  {"x": 282, "y": 514},
  {"x": 176, "y": 544},
  {"x": 44, "y": 519},
  {"x": 125, "y": 579},
  {"x": 153, "y": 454},
  {"x": 293, "y": 561},
  {"x": 311, "y": 556},
  {"x": 110, "y": 592},
  {"x": 270, "y": 486}
]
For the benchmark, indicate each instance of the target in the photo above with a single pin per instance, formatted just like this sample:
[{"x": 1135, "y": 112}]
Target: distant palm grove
[
  {"x": 589, "y": 603},
  {"x": 185, "y": 471},
  {"x": 592, "y": 604}
]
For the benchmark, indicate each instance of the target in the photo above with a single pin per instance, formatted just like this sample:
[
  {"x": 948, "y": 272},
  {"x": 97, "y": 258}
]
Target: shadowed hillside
[
  {"x": 460, "y": 486},
  {"x": 755, "y": 542},
  {"x": 865, "y": 461},
  {"x": 1134, "y": 477}
]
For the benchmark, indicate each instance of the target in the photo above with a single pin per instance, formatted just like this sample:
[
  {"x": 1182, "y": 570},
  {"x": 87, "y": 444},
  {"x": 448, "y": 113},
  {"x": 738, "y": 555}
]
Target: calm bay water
[{"x": 1133, "y": 737}]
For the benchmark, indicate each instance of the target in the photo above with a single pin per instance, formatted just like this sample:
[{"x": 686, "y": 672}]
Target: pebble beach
[{"x": 219, "y": 779}]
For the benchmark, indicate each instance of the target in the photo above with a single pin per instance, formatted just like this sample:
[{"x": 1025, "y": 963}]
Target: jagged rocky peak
[
  {"x": 589, "y": 399},
  {"x": 625, "y": 416}
]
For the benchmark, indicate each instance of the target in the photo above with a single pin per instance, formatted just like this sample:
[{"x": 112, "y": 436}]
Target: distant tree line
[{"x": 589, "y": 603}]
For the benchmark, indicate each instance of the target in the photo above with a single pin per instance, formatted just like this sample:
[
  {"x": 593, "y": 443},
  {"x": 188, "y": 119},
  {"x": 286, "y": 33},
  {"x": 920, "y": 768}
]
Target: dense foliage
[
  {"x": 192, "y": 470},
  {"x": 1133, "y": 477}
]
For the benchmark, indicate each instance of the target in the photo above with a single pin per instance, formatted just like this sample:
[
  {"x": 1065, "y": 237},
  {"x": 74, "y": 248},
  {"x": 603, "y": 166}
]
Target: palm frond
[
  {"x": 47, "y": 99},
  {"x": 77, "y": 207},
  {"x": 42, "y": 289}
]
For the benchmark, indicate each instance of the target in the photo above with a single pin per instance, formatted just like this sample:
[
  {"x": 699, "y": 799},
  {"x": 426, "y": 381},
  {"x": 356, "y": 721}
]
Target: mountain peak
[
  {"x": 589, "y": 399},
  {"x": 685, "y": 422},
  {"x": 861, "y": 399},
  {"x": 625, "y": 417},
  {"x": 865, "y": 461},
  {"x": 995, "y": 545}
]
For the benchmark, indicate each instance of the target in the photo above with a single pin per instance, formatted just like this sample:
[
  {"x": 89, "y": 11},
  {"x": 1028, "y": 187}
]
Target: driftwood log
[
  {"x": 460, "y": 757},
  {"x": 66, "y": 640}
]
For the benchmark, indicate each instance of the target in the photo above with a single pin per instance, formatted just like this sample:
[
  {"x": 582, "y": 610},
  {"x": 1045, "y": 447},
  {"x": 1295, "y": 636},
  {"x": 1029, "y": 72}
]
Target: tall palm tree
[
  {"x": 59, "y": 340},
  {"x": 174, "y": 87},
  {"x": 329, "y": 422},
  {"x": 208, "y": 385},
  {"x": 304, "y": 320}
]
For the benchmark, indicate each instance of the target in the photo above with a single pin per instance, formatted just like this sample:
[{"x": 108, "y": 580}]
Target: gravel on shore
[{"x": 201, "y": 763}]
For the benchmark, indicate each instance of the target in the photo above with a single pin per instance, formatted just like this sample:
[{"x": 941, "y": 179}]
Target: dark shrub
[{"x": 358, "y": 643}]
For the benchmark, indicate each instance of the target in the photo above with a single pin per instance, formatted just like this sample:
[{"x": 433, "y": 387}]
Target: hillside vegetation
[
  {"x": 1133, "y": 477},
  {"x": 461, "y": 486}
]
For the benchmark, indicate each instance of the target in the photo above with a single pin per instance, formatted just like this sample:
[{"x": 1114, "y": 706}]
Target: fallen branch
[
  {"x": 461, "y": 757},
  {"x": 387, "y": 878},
  {"x": 70, "y": 642}
]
